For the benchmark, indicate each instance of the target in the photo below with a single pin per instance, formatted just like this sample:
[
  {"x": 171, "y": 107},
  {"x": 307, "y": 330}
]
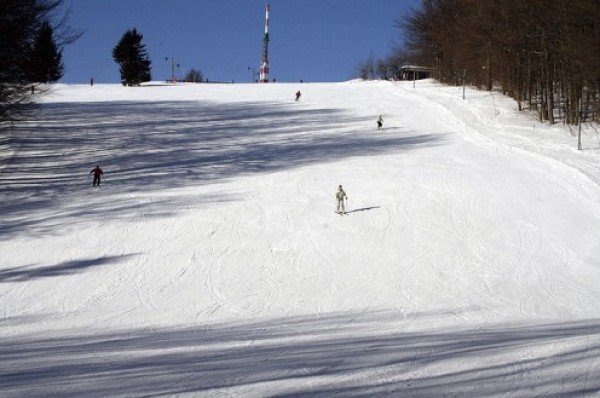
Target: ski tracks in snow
[
  {"x": 492, "y": 237},
  {"x": 451, "y": 231}
]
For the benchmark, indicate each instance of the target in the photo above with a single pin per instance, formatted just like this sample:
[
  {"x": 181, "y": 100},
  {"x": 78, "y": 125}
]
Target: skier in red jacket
[{"x": 97, "y": 171}]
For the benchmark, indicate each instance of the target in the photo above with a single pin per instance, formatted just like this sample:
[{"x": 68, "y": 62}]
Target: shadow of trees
[
  {"x": 29, "y": 272},
  {"x": 151, "y": 146},
  {"x": 334, "y": 355}
]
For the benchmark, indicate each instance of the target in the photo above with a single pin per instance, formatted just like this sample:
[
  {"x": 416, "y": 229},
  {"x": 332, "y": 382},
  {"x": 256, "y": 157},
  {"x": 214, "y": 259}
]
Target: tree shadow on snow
[
  {"x": 29, "y": 272},
  {"x": 152, "y": 146},
  {"x": 344, "y": 354}
]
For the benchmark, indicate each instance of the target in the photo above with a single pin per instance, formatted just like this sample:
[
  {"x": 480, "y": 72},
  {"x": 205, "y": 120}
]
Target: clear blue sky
[{"x": 313, "y": 40}]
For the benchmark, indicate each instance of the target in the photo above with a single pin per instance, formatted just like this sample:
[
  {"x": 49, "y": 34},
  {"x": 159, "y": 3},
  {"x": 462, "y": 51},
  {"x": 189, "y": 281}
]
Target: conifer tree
[
  {"x": 20, "y": 23},
  {"x": 45, "y": 58},
  {"x": 132, "y": 57}
]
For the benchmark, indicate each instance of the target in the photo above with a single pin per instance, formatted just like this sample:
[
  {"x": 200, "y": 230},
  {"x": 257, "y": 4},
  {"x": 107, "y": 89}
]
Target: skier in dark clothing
[
  {"x": 379, "y": 122},
  {"x": 97, "y": 171}
]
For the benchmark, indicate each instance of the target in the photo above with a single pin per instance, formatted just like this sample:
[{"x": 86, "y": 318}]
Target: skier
[
  {"x": 379, "y": 122},
  {"x": 298, "y": 94},
  {"x": 97, "y": 171},
  {"x": 340, "y": 195}
]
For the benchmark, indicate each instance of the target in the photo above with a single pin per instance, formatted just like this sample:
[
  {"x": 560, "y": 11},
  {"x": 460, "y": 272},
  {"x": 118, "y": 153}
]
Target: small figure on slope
[
  {"x": 379, "y": 122},
  {"x": 97, "y": 171},
  {"x": 298, "y": 94},
  {"x": 340, "y": 195}
]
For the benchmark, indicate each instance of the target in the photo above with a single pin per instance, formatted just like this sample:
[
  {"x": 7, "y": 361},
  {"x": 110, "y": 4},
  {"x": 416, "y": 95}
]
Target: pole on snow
[
  {"x": 253, "y": 77},
  {"x": 172, "y": 68},
  {"x": 464, "y": 81},
  {"x": 579, "y": 121}
]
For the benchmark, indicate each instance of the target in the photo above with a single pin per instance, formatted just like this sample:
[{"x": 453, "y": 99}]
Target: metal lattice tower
[{"x": 264, "y": 65}]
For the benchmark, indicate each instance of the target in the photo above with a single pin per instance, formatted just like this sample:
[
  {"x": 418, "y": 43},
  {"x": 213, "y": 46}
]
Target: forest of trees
[
  {"x": 544, "y": 54},
  {"x": 30, "y": 51}
]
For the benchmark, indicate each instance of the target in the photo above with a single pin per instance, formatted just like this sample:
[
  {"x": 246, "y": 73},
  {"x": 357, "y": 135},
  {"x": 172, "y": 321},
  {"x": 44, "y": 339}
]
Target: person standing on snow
[
  {"x": 97, "y": 171},
  {"x": 298, "y": 94},
  {"x": 340, "y": 195},
  {"x": 379, "y": 122}
]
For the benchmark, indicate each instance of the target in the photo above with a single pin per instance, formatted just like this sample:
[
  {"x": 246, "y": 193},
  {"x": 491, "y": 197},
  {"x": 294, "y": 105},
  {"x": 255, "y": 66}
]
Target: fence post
[
  {"x": 464, "y": 81},
  {"x": 579, "y": 131}
]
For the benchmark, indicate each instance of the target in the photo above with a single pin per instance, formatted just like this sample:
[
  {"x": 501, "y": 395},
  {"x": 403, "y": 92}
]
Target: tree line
[
  {"x": 33, "y": 34},
  {"x": 30, "y": 51},
  {"x": 544, "y": 54},
  {"x": 134, "y": 62}
]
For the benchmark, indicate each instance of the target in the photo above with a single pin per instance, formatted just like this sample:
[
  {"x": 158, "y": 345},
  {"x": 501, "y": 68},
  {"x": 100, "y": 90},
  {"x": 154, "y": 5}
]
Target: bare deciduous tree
[
  {"x": 545, "y": 54},
  {"x": 194, "y": 76}
]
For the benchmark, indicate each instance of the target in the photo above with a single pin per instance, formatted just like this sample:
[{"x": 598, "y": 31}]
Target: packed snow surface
[{"x": 211, "y": 262}]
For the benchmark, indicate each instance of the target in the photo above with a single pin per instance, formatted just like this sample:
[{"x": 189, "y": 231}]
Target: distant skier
[
  {"x": 379, "y": 122},
  {"x": 298, "y": 94},
  {"x": 340, "y": 195},
  {"x": 97, "y": 171}
]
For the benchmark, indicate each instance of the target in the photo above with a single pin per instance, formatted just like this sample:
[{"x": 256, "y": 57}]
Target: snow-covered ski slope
[{"x": 211, "y": 262}]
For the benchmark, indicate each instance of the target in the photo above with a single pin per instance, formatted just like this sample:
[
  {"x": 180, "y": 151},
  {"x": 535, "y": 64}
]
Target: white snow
[{"x": 211, "y": 262}]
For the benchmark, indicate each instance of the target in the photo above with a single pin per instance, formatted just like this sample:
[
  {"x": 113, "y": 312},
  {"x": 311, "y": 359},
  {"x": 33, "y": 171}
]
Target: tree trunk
[
  {"x": 519, "y": 94},
  {"x": 488, "y": 77},
  {"x": 549, "y": 91}
]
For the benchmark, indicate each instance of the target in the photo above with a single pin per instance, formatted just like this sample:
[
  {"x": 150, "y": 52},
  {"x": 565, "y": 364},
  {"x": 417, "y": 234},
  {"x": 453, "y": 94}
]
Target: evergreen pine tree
[
  {"x": 132, "y": 58},
  {"x": 20, "y": 23},
  {"x": 45, "y": 59}
]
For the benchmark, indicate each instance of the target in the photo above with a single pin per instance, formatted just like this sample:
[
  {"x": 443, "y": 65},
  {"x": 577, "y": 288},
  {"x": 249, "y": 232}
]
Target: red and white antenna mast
[{"x": 264, "y": 65}]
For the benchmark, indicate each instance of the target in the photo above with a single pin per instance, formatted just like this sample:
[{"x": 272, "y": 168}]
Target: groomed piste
[{"x": 211, "y": 262}]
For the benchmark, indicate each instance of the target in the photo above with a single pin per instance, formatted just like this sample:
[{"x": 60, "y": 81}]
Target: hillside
[{"x": 211, "y": 262}]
